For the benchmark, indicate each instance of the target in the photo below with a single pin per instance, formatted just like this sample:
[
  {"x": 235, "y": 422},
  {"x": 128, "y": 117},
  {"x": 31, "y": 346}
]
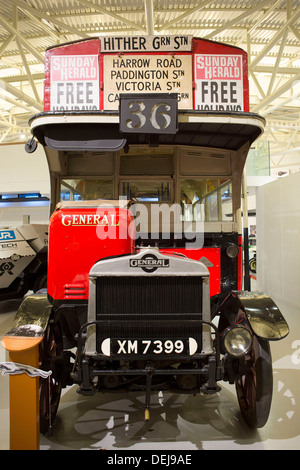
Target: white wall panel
[
  {"x": 278, "y": 239},
  {"x": 21, "y": 171}
]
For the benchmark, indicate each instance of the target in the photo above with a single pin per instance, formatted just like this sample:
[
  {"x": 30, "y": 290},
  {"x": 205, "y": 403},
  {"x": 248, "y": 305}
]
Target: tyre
[
  {"x": 50, "y": 389},
  {"x": 252, "y": 265},
  {"x": 254, "y": 388}
]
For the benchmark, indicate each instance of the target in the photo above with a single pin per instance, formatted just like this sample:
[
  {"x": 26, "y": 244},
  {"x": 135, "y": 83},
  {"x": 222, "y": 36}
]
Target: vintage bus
[{"x": 146, "y": 138}]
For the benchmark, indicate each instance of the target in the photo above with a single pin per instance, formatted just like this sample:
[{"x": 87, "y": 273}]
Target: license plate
[{"x": 145, "y": 347}]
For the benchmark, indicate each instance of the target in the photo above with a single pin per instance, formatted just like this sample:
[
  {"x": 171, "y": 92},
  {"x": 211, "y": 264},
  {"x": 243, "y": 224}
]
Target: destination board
[
  {"x": 145, "y": 43},
  {"x": 146, "y": 73}
]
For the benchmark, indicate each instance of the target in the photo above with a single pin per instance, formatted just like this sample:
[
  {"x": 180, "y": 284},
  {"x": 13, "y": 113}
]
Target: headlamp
[{"x": 237, "y": 340}]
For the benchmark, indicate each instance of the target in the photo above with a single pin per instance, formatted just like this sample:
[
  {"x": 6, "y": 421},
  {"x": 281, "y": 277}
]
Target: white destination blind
[
  {"x": 148, "y": 74},
  {"x": 145, "y": 43},
  {"x": 219, "y": 82},
  {"x": 74, "y": 83}
]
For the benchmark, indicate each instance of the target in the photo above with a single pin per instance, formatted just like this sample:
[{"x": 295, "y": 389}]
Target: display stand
[{"x": 23, "y": 393}]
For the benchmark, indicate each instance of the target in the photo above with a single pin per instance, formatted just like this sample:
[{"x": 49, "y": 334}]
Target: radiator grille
[
  {"x": 143, "y": 295},
  {"x": 148, "y": 307}
]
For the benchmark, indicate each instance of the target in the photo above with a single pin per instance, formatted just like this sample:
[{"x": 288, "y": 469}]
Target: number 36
[{"x": 159, "y": 116}]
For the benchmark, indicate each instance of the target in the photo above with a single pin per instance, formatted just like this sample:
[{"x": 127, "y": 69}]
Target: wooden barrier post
[{"x": 24, "y": 394}]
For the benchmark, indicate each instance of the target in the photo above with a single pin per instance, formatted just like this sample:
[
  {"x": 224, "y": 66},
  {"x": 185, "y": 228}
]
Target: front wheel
[
  {"x": 254, "y": 388},
  {"x": 50, "y": 389}
]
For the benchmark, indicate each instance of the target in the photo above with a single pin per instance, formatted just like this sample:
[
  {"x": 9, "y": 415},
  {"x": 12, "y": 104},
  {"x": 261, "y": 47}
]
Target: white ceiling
[{"x": 269, "y": 30}]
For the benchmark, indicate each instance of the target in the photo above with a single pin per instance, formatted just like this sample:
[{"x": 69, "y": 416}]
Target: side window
[
  {"x": 206, "y": 199},
  {"x": 226, "y": 201}
]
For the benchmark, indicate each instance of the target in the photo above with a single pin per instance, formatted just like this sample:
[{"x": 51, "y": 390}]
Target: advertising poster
[
  {"x": 74, "y": 83},
  {"x": 219, "y": 82}
]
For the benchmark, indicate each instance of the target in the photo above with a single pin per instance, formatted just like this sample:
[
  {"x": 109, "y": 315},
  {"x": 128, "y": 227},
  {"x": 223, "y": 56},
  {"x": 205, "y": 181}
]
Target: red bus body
[{"x": 80, "y": 237}]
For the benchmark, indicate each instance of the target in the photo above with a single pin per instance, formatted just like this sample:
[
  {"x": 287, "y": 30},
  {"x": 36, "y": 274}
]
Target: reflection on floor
[{"x": 115, "y": 421}]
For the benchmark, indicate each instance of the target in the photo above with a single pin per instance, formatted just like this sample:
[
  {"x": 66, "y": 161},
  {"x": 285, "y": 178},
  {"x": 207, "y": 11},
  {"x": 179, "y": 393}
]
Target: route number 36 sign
[{"x": 153, "y": 114}]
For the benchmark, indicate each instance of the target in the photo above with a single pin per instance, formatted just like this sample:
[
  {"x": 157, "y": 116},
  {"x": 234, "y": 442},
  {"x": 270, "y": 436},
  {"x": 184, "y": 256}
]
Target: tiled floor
[{"x": 115, "y": 421}]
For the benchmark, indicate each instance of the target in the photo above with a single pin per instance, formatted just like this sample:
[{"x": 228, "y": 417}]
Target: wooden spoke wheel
[
  {"x": 50, "y": 389},
  {"x": 254, "y": 388},
  {"x": 252, "y": 265}
]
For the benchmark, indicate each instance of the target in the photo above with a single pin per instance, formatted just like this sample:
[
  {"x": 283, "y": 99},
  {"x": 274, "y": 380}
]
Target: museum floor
[{"x": 115, "y": 421}]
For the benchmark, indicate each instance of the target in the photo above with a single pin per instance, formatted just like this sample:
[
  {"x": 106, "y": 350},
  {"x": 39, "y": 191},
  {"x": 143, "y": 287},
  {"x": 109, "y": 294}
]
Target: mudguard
[
  {"x": 32, "y": 316},
  {"x": 261, "y": 312}
]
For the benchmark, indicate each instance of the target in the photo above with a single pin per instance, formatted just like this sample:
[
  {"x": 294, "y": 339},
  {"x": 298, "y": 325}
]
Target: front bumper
[{"x": 207, "y": 367}]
